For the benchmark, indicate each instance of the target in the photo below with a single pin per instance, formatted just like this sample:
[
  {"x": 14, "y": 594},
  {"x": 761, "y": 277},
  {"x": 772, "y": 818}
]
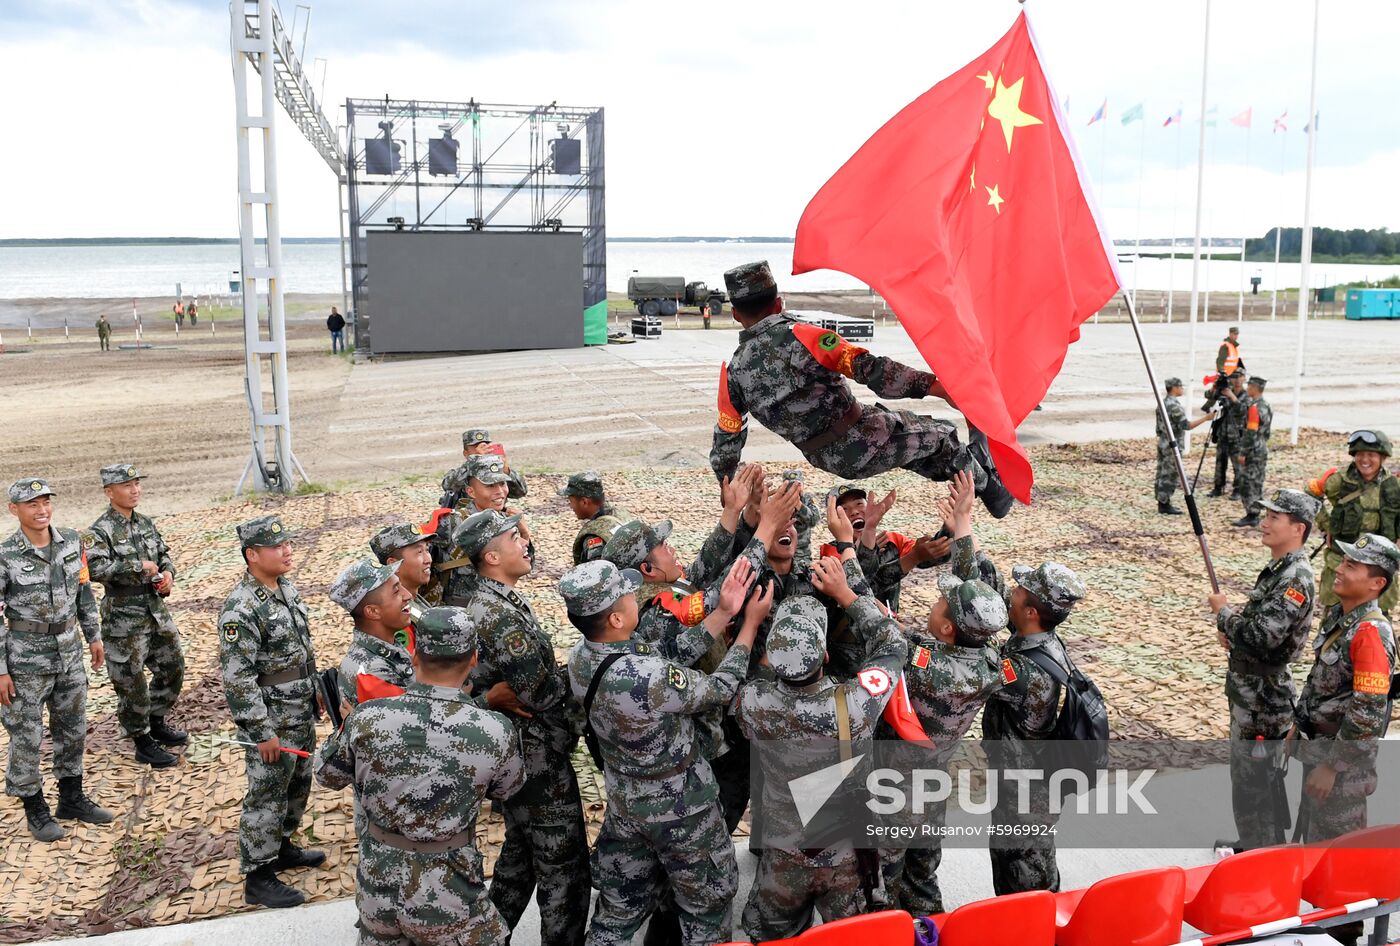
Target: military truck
[{"x": 664, "y": 295}]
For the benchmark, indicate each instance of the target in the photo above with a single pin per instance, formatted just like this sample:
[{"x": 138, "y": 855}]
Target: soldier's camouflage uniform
[
  {"x": 1344, "y": 707},
  {"x": 138, "y": 631},
  {"x": 1265, "y": 636},
  {"x": 1227, "y": 449},
  {"x": 806, "y": 517},
  {"x": 370, "y": 656},
  {"x": 593, "y": 533},
  {"x": 1352, "y": 508},
  {"x": 662, "y": 795},
  {"x": 45, "y": 586},
  {"x": 104, "y": 334},
  {"x": 263, "y": 633},
  {"x": 794, "y": 878},
  {"x": 1167, "y": 478},
  {"x": 546, "y": 847},
  {"x": 1254, "y": 447},
  {"x": 421, "y": 763}
]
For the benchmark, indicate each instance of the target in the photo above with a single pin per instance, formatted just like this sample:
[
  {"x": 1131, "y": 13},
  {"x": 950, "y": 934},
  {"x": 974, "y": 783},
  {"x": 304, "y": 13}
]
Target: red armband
[
  {"x": 1370, "y": 664},
  {"x": 689, "y": 610},
  {"x": 730, "y": 420},
  {"x": 828, "y": 348}
]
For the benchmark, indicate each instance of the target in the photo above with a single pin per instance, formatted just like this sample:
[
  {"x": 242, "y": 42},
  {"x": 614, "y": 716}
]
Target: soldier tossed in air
[
  {"x": 1262, "y": 638},
  {"x": 1365, "y": 497},
  {"x": 269, "y": 667},
  {"x": 49, "y": 618},
  {"x": 584, "y": 492},
  {"x": 130, "y": 560},
  {"x": 792, "y": 377},
  {"x": 421, "y": 764}
]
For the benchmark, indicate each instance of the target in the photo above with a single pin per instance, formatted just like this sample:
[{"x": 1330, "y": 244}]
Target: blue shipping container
[{"x": 1373, "y": 304}]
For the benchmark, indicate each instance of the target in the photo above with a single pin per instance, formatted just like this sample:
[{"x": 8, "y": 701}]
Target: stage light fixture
[
  {"x": 475, "y": 223},
  {"x": 442, "y": 154},
  {"x": 553, "y": 223},
  {"x": 396, "y": 222},
  {"x": 382, "y": 153}
]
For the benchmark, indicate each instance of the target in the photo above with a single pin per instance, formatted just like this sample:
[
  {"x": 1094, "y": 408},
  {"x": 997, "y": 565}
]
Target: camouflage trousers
[
  {"x": 154, "y": 647},
  {"x": 1257, "y": 792},
  {"x": 1250, "y": 480},
  {"x": 276, "y": 798},
  {"x": 104, "y": 342},
  {"x": 438, "y": 899},
  {"x": 1226, "y": 459},
  {"x": 1024, "y": 861},
  {"x": 788, "y": 887},
  {"x": 911, "y": 875},
  {"x": 545, "y": 853},
  {"x": 696, "y": 857},
  {"x": 1167, "y": 479},
  {"x": 1328, "y": 597},
  {"x": 883, "y": 440},
  {"x": 65, "y": 695},
  {"x": 1343, "y": 811}
]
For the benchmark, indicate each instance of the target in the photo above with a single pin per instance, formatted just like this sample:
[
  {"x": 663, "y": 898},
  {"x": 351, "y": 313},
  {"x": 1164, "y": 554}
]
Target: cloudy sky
[{"x": 722, "y": 117}]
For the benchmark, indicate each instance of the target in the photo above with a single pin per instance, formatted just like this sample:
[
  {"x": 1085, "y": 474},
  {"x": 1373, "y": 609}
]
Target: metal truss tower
[{"x": 258, "y": 39}]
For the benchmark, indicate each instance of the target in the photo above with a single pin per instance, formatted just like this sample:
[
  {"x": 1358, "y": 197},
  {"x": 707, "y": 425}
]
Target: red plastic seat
[
  {"x": 1142, "y": 908},
  {"x": 886, "y": 928},
  {"x": 1245, "y": 890},
  {"x": 1018, "y": 919},
  {"x": 1356, "y": 866}
]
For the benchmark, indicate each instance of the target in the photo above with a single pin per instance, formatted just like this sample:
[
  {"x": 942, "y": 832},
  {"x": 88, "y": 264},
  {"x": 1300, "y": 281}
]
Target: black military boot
[
  {"x": 994, "y": 495},
  {"x": 72, "y": 803},
  {"x": 1250, "y": 519},
  {"x": 292, "y": 856},
  {"x": 150, "y": 752},
  {"x": 264, "y": 887},
  {"x": 1217, "y": 492},
  {"x": 1167, "y": 509},
  {"x": 41, "y": 823},
  {"x": 165, "y": 735}
]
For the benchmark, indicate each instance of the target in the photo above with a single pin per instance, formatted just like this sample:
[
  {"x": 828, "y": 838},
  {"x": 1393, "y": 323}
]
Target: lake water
[{"x": 130, "y": 270}]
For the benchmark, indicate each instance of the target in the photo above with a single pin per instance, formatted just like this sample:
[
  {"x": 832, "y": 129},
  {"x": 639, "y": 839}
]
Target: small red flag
[
  {"x": 899, "y": 713},
  {"x": 369, "y": 687},
  {"x": 968, "y": 213}
]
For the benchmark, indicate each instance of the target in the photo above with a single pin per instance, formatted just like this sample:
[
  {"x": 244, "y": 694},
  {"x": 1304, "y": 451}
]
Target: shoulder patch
[
  {"x": 516, "y": 643},
  {"x": 231, "y": 629},
  {"x": 593, "y": 541},
  {"x": 641, "y": 647},
  {"x": 89, "y": 540},
  {"x": 260, "y": 593},
  {"x": 676, "y": 677},
  {"x": 874, "y": 681},
  {"x": 920, "y": 657},
  {"x": 1295, "y": 596},
  {"x": 1008, "y": 672}
]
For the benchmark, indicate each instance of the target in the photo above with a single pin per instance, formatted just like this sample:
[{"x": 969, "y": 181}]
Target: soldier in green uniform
[
  {"x": 1262, "y": 638},
  {"x": 477, "y": 442},
  {"x": 792, "y": 377},
  {"x": 584, "y": 492},
  {"x": 487, "y": 487},
  {"x": 407, "y": 544},
  {"x": 546, "y": 847},
  {"x": 1344, "y": 707},
  {"x": 104, "y": 333},
  {"x": 130, "y": 560},
  {"x": 378, "y": 662},
  {"x": 663, "y": 827},
  {"x": 1365, "y": 497},
  {"x": 46, "y": 603},
  {"x": 801, "y": 706},
  {"x": 1167, "y": 478},
  {"x": 808, "y": 515},
  {"x": 883, "y": 555},
  {"x": 268, "y": 667},
  {"x": 1254, "y": 450},
  {"x": 1231, "y": 433},
  {"x": 421, "y": 764}
]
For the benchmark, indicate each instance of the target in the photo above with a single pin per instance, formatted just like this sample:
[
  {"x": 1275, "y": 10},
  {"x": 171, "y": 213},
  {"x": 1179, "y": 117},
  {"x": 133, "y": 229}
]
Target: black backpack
[
  {"x": 590, "y": 738},
  {"x": 1081, "y": 729}
]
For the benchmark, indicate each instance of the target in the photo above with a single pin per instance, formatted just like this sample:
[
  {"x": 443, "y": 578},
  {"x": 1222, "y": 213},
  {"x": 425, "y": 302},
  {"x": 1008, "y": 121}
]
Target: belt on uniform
[
  {"x": 1315, "y": 730},
  {"x": 458, "y": 840},
  {"x": 26, "y": 626},
  {"x": 674, "y": 770},
  {"x": 838, "y": 427},
  {"x": 287, "y": 676},
  {"x": 128, "y": 591},
  {"x": 1255, "y": 668}
]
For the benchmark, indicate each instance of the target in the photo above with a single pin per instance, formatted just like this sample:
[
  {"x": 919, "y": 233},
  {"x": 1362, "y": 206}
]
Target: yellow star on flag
[
  {"x": 972, "y": 179},
  {"x": 1005, "y": 107},
  {"x": 994, "y": 199},
  {"x": 987, "y": 78}
]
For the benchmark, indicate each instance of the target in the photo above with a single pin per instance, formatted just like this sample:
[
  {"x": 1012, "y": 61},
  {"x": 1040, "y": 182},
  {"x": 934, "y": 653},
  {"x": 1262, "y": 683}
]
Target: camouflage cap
[
  {"x": 842, "y": 490},
  {"x": 358, "y": 579},
  {"x": 1372, "y": 549},
  {"x": 118, "y": 473},
  {"x": 633, "y": 541},
  {"x": 749, "y": 280},
  {"x": 796, "y": 643},
  {"x": 1172, "y": 382},
  {"x": 1375, "y": 440},
  {"x": 444, "y": 632},
  {"x": 1258, "y": 382},
  {"x": 974, "y": 608},
  {"x": 392, "y": 538},
  {"x": 489, "y": 468},
  {"x": 1294, "y": 502},
  {"x": 474, "y": 436},
  {"x": 593, "y": 587},
  {"x": 263, "y": 531},
  {"x": 30, "y": 487},
  {"x": 587, "y": 484},
  {"x": 1233, "y": 330},
  {"x": 478, "y": 529},
  {"x": 793, "y": 476},
  {"x": 1054, "y": 584}
]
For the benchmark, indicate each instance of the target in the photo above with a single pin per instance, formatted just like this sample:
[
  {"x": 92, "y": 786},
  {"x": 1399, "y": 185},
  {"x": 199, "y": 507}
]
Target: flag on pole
[
  {"x": 1173, "y": 119},
  {"x": 1210, "y": 115},
  {"x": 969, "y": 213},
  {"x": 1099, "y": 113},
  {"x": 1243, "y": 118},
  {"x": 1133, "y": 114},
  {"x": 1312, "y": 125},
  {"x": 1281, "y": 123}
]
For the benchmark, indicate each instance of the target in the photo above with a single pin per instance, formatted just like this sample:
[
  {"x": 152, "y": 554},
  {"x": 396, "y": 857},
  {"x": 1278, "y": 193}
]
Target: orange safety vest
[{"x": 1232, "y": 358}]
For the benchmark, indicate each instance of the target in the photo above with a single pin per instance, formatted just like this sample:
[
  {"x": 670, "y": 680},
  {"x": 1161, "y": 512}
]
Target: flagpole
[
  {"x": 1200, "y": 206},
  {"x": 1103, "y": 160},
  {"x": 1306, "y": 256},
  {"x": 1248, "y": 131},
  {"x": 1137, "y": 242},
  {"x": 1176, "y": 193},
  {"x": 1196, "y": 526},
  {"x": 1278, "y": 232}
]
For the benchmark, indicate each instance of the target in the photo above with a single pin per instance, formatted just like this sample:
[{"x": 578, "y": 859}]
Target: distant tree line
[{"x": 1355, "y": 244}]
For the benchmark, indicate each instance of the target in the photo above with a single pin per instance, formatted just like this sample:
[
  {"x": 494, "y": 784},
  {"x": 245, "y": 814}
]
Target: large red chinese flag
[{"x": 968, "y": 213}]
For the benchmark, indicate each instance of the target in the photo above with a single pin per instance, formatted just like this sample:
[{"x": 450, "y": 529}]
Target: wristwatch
[{"x": 843, "y": 546}]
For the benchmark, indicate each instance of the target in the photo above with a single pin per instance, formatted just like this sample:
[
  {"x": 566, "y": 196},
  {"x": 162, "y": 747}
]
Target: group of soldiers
[{"x": 450, "y": 692}]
